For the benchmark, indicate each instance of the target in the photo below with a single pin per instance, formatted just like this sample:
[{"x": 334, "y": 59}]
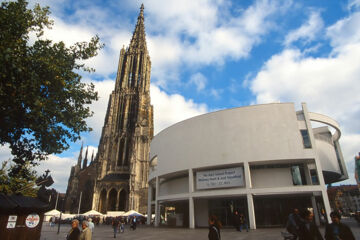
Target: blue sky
[{"x": 211, "y": 55}]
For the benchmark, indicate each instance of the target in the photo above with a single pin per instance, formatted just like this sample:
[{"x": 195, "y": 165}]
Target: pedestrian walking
[
  {"x": 236, "y": 221},
  {"x": 307, "y": 229},
  {"x": 115, "y": 224},
  {"x": 133, "y": 223},
  {"x": 52, "y": 221},
  {"x": 214, "y": 228},
  {"x": 243, "y": 222},
  {"x": 122, "y": 228},
  {"x": 293, "y": 222},
  {"x": 337, "y": 230},
  {"x": 91, "y": 225},
  {"x": 74, "y": 232},
  {"x": 86, "y": 232}
]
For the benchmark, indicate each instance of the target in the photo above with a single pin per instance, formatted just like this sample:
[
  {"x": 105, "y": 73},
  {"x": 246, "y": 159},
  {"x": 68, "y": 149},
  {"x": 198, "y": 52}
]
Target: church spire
[
  {"x": 85, "y": 159},
  {"x": 138, "y": 40},
  {"x": 92, "y": 156},
  {"x": 80, "y": 155},
  {"x": 134, "y": 63}
]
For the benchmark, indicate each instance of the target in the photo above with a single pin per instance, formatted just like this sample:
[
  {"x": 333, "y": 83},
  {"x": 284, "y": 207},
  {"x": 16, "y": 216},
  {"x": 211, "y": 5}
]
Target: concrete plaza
[{"x": 144, "y": 232}]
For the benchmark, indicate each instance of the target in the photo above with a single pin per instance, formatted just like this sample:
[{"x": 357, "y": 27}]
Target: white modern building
[{"x": 262, "y": 160}]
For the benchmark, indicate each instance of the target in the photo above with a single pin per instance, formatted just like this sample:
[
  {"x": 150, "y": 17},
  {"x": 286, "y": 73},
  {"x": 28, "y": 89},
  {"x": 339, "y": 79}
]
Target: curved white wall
[
  {"x": 327, "y": 156},
  {"x": 265, "y": 141},
  {"x": 254, "y": 133}
]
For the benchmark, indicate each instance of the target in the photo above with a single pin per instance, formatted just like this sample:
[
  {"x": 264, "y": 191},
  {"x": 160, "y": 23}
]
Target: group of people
[
  {"x": 302, "y": 227},
  {"x": 87, "y": 227},
  {"x": 118, "y": 224},
  {"x": 299, "y": 224},
  {"x": 240, "y": 221}
]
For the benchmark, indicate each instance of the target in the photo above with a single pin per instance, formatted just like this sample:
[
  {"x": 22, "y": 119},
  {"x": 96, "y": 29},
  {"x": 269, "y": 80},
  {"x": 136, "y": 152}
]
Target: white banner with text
[{"x": 220, "y": 178}]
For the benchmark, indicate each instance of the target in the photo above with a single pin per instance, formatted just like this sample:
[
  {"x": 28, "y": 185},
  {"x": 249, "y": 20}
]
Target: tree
[
  {"x": 43, "y": 103},
  {"x": 18, "y": 184}
]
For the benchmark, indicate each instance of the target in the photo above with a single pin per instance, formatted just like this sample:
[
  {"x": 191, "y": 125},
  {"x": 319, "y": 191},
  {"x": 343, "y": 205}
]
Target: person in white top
[{"x": 91, "y": 225}]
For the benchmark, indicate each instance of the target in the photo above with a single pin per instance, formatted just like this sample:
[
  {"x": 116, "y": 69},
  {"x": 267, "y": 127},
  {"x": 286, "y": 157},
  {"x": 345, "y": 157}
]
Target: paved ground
[{"x": 144, "y": 232}]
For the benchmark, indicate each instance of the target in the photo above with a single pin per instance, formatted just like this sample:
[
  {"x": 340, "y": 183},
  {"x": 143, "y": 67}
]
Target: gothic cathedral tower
[{"x": 123, "y": 153}]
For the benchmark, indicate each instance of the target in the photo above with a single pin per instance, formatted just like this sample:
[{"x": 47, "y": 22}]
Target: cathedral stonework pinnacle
[
  {"x": 123, "y": 152},
  {"x": 116, "y": 178}
]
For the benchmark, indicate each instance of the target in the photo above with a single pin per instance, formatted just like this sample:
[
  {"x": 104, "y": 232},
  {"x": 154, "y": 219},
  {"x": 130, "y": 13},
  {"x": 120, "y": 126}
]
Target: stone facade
[
  {"x": 120, "y": 168},
  {"x": 81, "y": 182}
]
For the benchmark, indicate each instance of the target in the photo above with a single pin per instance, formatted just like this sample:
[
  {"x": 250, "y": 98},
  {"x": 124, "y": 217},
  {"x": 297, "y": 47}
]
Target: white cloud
[
  {"x": 67, "y": 33},
  {"x": 208, "y": 35},
  {"x": 199, "y": 80},
  {"x": 60, "y": 167},
  {"x": 170, "y": 109},
  {"x": 330, "y": 85},
  {"x": 320, "y": 82},
  {"x": 308, "y": 31},
  {"x": 104, "y": 89},
  {"x": 165, "y": 54},
  {"x": 350, "y": 146},
  {"x": 256, "y": 21},
  {"x": 186, "y": 16},
  {"x": 345, "y": 31},
  {"x": 353, "y": 4},
  {"x": 216, "y": 93},
  {"x": 106, "y": 60},
  {"x": 180, "y": 35}
]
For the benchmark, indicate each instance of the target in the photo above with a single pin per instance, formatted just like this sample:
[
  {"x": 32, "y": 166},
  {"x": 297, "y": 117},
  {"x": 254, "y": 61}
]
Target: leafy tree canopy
[{"x": 43, "y": 103}]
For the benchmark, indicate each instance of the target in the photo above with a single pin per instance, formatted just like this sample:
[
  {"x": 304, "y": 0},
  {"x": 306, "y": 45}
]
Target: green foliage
[
  {"x": 18, "y": 184},
  {"x": 43, "y": 103}
]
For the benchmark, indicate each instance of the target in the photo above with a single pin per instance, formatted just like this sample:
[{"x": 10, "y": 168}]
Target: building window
[
  {"x": 306, "y": 138},
  {"x": 296, "y": 175},
  {"x": 314, "y": 177}
]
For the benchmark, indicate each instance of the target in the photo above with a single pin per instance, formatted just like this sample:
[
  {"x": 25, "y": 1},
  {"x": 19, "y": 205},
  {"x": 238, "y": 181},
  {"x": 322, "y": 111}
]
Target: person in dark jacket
[
  {"x": 236, "y": 221},
  {"x": 307, "y": 229},
  {"x": 74, "y": 233},
  {"x": 214, "y": 228},
  {"x": 337, "y": 230},
  {"x": 292, "y": 224},
  {"x": 115, "y": 225},
  {"x": 133, "y": 223}
]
